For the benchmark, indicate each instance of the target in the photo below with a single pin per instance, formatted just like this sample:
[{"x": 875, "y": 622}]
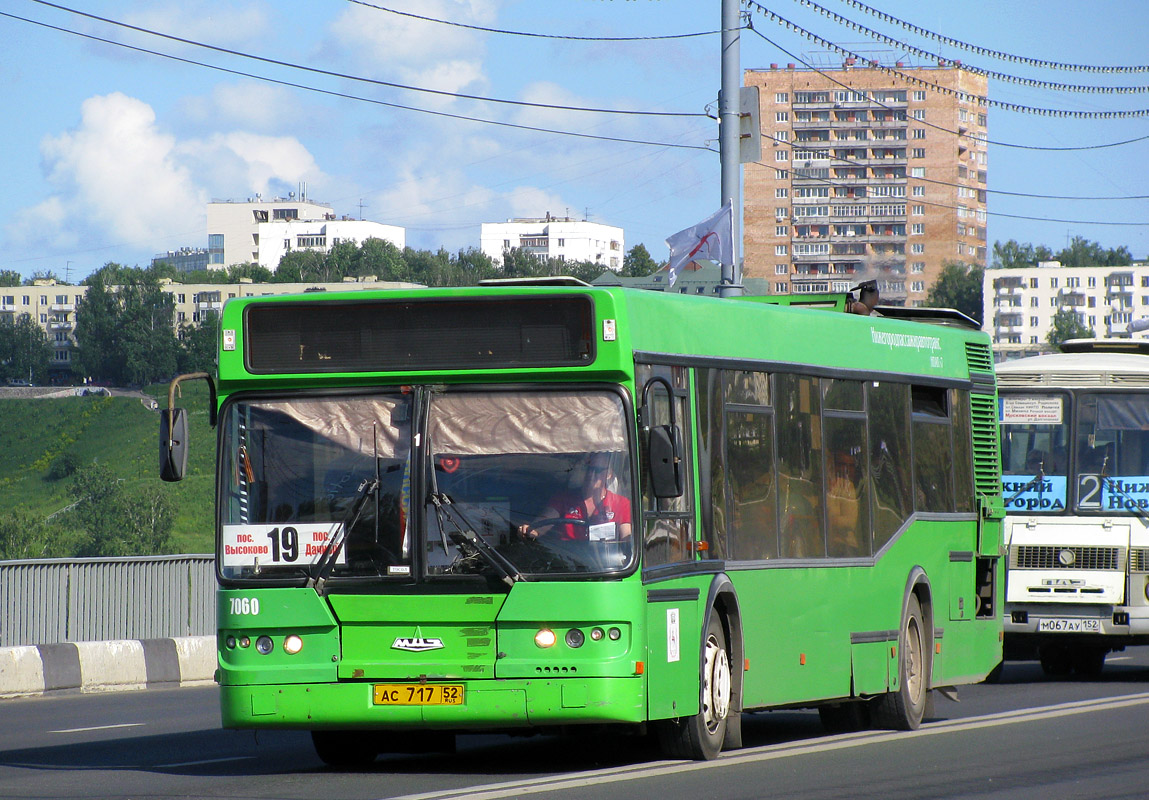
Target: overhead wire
[
  {"x": 568, "y": 37},
  {"x": 346, "y": 96},
  {"x": 1001, "y": 76},
  {"x": 360, "y": 79},
  {"x": 827, "y": 145},
  {"x": 960, "y": 95},
  {"x": 926, "y": 123},
  {"x": 998, "y": 54}
]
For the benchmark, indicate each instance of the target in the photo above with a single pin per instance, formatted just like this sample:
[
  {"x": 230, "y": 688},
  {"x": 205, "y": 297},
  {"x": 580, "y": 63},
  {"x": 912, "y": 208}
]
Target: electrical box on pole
[{"x": 749, "y": 126}]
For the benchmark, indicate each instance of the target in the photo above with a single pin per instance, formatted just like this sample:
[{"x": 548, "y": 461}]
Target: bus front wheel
[
  {"x": 904, "y": 709},
  {"x": 700, "y": 736}
]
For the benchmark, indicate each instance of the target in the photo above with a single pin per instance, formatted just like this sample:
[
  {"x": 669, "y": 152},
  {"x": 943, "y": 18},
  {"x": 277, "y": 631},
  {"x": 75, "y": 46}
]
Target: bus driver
[{"x": 606, "y": 515}]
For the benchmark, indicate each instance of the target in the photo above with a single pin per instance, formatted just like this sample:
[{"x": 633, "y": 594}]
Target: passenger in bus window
[{"x": 606, "y": 515}]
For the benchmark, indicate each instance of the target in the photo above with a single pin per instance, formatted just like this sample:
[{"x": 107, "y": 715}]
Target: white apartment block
[
  {"x": 1019, "y": 303},
  {"x": 562, "y": 238},
  {"x": 54, "y": 306},
  {"x": 262, "y": 231}
]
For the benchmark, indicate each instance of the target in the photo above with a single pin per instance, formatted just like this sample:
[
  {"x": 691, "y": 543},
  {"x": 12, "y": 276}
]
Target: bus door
[{"x": 675, "y": 589}]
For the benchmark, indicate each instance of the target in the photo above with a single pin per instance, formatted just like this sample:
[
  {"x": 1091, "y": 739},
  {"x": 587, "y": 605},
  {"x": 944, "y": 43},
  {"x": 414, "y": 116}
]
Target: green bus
[{"x": 526, "y": 507}]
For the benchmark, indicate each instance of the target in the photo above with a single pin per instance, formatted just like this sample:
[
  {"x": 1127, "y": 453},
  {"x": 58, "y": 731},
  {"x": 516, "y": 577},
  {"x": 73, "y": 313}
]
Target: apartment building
[
  {"x": 54, "y": 306},
  {"x": 262, "y": 231},
  {"x": 562, "y": 238},
  {"x": 867, "y": 172},
  {"x": 1020, "y": 303}
]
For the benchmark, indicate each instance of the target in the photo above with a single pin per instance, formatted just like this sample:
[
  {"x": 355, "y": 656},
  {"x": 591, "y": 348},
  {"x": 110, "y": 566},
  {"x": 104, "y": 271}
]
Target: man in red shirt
[{"x": 606, "y": 515}]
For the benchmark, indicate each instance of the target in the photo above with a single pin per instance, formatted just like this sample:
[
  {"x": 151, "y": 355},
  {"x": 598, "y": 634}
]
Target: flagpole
[{"x": 728, "y": 142}]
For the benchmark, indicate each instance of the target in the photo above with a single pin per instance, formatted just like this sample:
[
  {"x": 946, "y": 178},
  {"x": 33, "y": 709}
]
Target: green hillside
[{"x": 117, "y": 432}]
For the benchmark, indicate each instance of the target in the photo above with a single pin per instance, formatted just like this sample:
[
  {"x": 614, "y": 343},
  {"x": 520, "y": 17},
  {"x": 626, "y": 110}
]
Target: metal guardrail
[{"x": 45, "y": 601}]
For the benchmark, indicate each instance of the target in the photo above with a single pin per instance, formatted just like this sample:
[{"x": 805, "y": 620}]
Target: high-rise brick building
[{"x": 866, "y": 174}]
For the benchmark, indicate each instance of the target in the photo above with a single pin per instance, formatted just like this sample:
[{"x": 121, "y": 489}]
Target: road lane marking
[
  {"x": 99, "y": 728},
  {"x": 203, "y": 761},
  {"x": 577, "y": 780}
]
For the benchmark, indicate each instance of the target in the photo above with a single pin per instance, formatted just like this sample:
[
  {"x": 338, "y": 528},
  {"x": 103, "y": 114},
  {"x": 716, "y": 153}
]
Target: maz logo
[{"x": 417, "y": 644}]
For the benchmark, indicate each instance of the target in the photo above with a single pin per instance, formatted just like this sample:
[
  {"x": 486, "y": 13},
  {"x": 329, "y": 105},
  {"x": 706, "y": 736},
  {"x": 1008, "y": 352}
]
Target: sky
[{"x": 109, "y": 154}]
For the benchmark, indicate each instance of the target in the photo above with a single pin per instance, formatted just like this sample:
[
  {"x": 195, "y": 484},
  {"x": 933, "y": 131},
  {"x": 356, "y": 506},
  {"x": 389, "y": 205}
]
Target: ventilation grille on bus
[
  {"x": 1139, "y": 559},
  {"x": 978, "y": 357},
  {"x": 1024, "y": 556},
  {"x": 1072, "y": 379},
  {"x": 986, "y": 460}
]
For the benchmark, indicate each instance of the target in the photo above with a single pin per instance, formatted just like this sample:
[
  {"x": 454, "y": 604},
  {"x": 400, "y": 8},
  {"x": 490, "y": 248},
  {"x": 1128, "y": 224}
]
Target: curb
[{"x": 112, "y": 666}]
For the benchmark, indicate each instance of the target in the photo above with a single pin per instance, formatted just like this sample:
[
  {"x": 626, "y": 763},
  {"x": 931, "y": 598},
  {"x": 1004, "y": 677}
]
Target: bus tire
[
  {"x": 904, "y": 709},
  {"x": 1055, "y": 659},
  {"x": 700, "y": 737},
  {"x": 1089, "y": 661},
  {"x": 344, "y": 748}
]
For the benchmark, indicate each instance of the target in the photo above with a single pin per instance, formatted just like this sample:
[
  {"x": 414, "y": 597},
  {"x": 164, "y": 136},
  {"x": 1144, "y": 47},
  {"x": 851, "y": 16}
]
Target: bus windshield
[
  {"x": 512, "y": 485},
  {"x": 1112, "y": 470},
  {"x": 1034, "y": 452}
]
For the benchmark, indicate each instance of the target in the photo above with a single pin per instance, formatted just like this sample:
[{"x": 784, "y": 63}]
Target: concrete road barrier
[{"x": 107, "y": 666}]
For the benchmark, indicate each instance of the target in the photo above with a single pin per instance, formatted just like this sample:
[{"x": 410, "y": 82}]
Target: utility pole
[{"x": 729, "y": 109}]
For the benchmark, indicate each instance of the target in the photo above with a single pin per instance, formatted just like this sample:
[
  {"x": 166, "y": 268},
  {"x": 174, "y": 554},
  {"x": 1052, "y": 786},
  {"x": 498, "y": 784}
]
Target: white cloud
[
  {"x": 248, "y": 105},
  {"x": 118, "y": 177},
  {"x": 119, "y": 170},
  {"x": 416, "y": 52}
]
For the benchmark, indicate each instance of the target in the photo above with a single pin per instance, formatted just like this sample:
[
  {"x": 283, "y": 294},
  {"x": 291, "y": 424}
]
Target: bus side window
[
  {"x": 890, "y": 477},
  {"x": 800, "y": 493},
  {"x": 668, "y": 521}
]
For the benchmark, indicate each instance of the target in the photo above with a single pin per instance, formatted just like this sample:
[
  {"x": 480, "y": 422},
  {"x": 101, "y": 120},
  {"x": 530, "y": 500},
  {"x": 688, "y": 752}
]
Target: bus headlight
[
  {"x": 545, "y": 638},
  {"x": 575, "y": 638},
  {"x": 292, "y": 644},
  {"x": 264, "y": 645}
]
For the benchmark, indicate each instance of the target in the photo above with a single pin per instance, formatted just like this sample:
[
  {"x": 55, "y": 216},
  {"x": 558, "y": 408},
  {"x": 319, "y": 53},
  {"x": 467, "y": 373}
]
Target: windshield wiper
[
  {"x": 465, "y": 537},
  {"x": 326, "y": 562},
  {"x": 1038, "y": 478},
  {"x": 1116, "y": 487}
]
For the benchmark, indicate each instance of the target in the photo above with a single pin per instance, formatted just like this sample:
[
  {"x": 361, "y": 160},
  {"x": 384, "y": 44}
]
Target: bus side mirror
[
  {"x": 173, "y": 444},
  {"x": 664, "y": 451},
  {"x": 174, "y": 428}
]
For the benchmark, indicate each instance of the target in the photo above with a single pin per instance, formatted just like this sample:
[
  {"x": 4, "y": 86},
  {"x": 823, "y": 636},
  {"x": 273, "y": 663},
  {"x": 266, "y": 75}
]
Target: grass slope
[{"x": 118, "y": 432}]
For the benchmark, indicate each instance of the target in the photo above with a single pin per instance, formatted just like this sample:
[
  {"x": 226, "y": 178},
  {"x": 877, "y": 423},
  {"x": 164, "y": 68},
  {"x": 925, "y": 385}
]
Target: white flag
[{"x": 713, "y": 238}]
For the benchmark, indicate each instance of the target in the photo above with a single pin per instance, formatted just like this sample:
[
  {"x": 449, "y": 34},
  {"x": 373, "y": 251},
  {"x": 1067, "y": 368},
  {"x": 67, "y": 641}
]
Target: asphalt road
[{"x": 1026, "y": 737}]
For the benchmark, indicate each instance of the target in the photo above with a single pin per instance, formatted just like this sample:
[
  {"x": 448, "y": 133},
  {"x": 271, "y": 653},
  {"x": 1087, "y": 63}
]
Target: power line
[
  {"x": 965, "y": 96},
  {"x": 827, "y": 146},
  {"x": 359, "y": 79},
  {"x": 533, "y": 35},
  {"x": 970, "y": 136},
  {"x": 922, "y": 201},
  {"x": 985, "y": 51},
  {"x": 1001, "y": 76},
  {"x": 346, "y": 96}
]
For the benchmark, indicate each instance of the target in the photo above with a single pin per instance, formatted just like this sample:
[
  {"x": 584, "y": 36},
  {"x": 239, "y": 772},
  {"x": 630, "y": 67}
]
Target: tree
[
  {"x": 25, "y": 352},
  {"x": 1067, "y": 325},
  {"x": 638, "y": 263},
  {"x": 198, "y": 343},
  {"x": 382, "y": 259},
  {"x": 958, "y": 286},
  {"x": 116, "y": 520},
  {"x": 1084, "y": 253},
  {"x": 519, "y": 263},
  {"x": 250, "y": 270},
  {"x": 10, "y": 277},
  {"x": 124, "y": 332},
  {"x": 1011, "y": 255}
]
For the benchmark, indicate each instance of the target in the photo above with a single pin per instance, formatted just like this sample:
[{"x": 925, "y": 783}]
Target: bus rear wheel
[
  {"x": 700, "y": 736},
  {"x": 1088, "y": 662},
  {"x": 904, "y": 709}
]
